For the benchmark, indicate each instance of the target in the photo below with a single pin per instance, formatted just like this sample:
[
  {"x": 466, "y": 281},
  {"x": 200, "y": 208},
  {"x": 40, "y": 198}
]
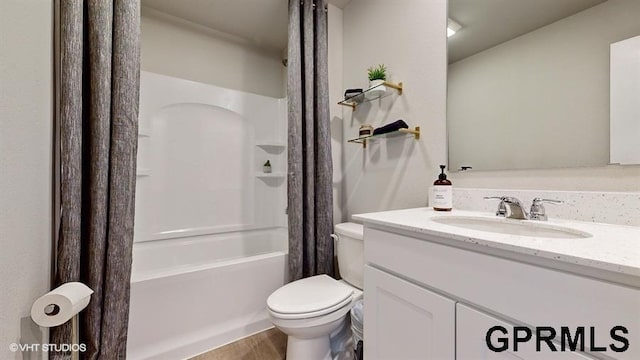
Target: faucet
[
  {"x": 516, "y": 210},
  {"x": 537, "y": 211}
]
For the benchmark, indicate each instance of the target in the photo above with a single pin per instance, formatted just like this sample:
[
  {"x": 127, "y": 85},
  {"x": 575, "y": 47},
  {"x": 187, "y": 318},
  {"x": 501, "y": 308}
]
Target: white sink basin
[{"x": 512, "y": 227}]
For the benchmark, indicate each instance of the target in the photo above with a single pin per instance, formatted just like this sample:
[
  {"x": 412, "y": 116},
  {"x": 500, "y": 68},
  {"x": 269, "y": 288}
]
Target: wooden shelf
[
  {"x": 369, "y": 94},
  {"x": 415, "y": 132}
]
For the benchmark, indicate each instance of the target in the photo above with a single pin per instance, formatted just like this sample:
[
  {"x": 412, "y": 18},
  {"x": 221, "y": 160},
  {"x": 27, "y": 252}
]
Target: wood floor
[{"x": 267, "y": 345}]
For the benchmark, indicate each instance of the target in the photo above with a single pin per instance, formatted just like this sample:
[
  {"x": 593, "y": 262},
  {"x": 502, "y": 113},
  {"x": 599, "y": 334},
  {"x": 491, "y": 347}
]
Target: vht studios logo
[{"x": 499, "y": 339}]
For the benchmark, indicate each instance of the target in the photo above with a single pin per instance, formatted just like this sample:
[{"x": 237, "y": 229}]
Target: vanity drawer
[
  {"x": 523, "y": 293},
  {"x": 471, "y": 329}
]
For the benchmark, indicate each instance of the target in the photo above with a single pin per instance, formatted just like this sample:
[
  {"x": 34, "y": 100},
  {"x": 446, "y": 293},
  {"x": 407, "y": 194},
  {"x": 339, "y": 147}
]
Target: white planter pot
[{"x": 378, "y": 91}]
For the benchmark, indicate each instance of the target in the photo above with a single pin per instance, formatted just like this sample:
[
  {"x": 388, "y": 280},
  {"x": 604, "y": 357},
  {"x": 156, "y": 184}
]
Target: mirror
[{"x": 528, "y": 81}]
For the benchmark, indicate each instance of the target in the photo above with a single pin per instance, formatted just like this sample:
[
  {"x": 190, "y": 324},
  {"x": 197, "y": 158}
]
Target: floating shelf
[
  {"x": 270, "y": 175},
  {"x": 272, "y": 146},
  {"x": 415, "y": 132},
  {"x": 144, "y": 132},
  {"x": 142, "y": 172},
  {"x": 370, "y": 94}
]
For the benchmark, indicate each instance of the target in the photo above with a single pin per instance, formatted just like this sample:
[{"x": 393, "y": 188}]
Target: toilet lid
[{"x": 317, "y": 295}]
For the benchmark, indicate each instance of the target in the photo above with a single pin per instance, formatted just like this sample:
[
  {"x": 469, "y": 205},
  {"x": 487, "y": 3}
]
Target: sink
[{"x": 511, "y": 227}]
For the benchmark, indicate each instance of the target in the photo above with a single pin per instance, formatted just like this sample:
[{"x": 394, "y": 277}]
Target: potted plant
[
  {"x": 377, "y": 76},
  {"x": 266, "y": 168}
]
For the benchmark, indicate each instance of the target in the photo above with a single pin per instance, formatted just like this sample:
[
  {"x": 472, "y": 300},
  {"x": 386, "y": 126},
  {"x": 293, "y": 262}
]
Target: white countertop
[{"x": 614, "y": 248}]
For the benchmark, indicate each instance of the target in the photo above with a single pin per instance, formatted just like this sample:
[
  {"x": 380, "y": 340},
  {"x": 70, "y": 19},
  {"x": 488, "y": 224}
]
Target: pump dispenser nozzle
[{"x": 442, "y": 175}]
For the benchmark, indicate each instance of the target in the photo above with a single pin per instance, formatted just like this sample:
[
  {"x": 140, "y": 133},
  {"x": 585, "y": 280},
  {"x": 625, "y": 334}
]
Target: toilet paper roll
[{"x": 60, "y": 304}]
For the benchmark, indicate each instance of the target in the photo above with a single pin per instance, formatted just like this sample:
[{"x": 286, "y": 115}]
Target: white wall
[
  {"x": 335, "y": 32},
  {"x": 176, "y": 47},
  {"x": 609, "y": 22},
  {"x": 409, "y": 37},
  {"x": 625, "y": 108},
  {"x": 25, "y": 164}
]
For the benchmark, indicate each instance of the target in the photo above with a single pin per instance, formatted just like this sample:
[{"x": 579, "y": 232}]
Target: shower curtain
[
  {"x": 98, "y": 90},
  {"x": 310, "y": 171}
]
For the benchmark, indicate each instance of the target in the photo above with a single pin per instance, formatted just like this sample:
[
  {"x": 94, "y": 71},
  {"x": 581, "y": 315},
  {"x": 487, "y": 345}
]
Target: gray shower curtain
[
  {"x": 310, "y": 170},
  {"x": 98, "y": 88}
]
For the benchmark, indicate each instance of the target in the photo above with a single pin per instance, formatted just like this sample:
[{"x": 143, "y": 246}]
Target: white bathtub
[{"x": 194, "y": 294}]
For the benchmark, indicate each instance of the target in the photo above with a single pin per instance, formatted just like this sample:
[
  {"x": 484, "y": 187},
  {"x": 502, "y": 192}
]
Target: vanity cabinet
[
  {"x": 410, "y": 322},
  {"x": 471, "y": 329},
  {"x": 427, "y": 299}
]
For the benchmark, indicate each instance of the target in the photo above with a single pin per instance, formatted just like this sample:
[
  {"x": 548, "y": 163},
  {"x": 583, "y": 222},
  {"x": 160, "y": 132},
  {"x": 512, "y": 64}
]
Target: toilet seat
[
  {"x": 307, "y": 298},
  {"x": 297, "y": 316}
]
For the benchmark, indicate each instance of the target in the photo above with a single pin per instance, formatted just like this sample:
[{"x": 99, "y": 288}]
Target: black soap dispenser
[{"x": 442, "y": 193}]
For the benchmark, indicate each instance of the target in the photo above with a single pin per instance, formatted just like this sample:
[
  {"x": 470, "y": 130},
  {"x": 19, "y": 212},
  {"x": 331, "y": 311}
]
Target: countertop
[{"x": 614, "y": 248}]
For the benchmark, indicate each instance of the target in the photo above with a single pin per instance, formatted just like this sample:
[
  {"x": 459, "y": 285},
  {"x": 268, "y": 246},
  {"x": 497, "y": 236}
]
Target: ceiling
[
  {"x": 261, "y": 22},
  {"x": 487, "y": 23}
]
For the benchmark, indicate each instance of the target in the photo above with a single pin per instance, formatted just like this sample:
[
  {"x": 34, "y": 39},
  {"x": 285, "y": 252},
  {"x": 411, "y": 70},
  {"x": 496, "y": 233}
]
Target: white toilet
[{"x": 310, "y": 309}]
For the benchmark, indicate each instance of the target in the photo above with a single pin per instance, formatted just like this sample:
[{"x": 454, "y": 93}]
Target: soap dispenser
[{"x": 442, "y": 195}]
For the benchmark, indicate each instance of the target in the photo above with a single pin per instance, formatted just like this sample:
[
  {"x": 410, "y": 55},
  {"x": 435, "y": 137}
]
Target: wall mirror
[{"x": 528, "y": 81}]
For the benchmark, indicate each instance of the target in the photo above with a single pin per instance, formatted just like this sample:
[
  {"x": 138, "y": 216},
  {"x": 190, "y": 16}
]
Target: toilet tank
[{"x": 350, "y": 251}]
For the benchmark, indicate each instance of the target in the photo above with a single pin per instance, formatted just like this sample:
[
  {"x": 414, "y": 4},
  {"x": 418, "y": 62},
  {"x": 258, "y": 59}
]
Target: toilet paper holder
[{"x": 60, "y": 305}]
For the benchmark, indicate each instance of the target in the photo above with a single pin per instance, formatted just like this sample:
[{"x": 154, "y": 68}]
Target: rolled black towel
[
  {"x": 394, "y": 126},
  {"x": 351, "y": 92}
]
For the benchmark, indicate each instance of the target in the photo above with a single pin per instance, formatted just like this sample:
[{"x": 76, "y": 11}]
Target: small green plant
[
  {"x": 266, "y": 168},
  {"x": 377, "y": 72}
]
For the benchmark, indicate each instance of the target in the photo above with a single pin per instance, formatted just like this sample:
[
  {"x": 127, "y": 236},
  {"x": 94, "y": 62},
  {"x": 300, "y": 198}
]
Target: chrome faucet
[
  {"x": 516, "y": 210},
  {"x": 537, "y": 211}
]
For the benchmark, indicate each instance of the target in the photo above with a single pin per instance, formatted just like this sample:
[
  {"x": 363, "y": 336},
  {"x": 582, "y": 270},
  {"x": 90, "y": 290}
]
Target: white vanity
[{"x": 436, "y": 283}]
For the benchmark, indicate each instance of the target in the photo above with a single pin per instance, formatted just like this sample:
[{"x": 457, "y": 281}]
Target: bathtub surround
[
  {"x": 189, "y": 296},
  {"x": 207, "y": 217},
  {"x": 99, "y": 85},
  {"x": 310, "y": 195},
  {"x": 185, "y": 187}
]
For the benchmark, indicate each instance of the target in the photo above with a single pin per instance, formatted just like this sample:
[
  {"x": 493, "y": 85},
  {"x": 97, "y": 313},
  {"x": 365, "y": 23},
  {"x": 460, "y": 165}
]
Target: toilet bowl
[{"x": 309, "y": 310}]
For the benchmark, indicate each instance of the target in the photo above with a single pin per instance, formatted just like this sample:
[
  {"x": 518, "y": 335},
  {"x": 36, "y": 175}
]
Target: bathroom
[{"x": 202, "y": 273}]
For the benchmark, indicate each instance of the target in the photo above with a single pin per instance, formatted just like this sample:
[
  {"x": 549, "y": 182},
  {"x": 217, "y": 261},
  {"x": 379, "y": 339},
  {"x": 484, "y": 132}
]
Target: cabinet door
[
  {"x": 471, "y": 329},
  {"x": 404, "y": 321}
]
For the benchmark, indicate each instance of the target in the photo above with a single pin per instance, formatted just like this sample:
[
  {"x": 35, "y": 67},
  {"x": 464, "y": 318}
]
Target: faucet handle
[
  {"x": 547, "y": 201},
  {"x": 502, "y": 207},
  {"x": 494, "y": 197},
  {"x": 538, "y": 211}
]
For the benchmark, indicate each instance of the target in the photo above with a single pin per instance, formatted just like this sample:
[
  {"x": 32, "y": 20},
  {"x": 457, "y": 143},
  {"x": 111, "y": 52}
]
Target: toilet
[{"x": 309, "y": 310}]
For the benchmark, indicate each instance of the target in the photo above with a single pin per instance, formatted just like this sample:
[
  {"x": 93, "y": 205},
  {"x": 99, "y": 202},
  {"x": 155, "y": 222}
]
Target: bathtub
[{"x": 193, "y": 294}]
